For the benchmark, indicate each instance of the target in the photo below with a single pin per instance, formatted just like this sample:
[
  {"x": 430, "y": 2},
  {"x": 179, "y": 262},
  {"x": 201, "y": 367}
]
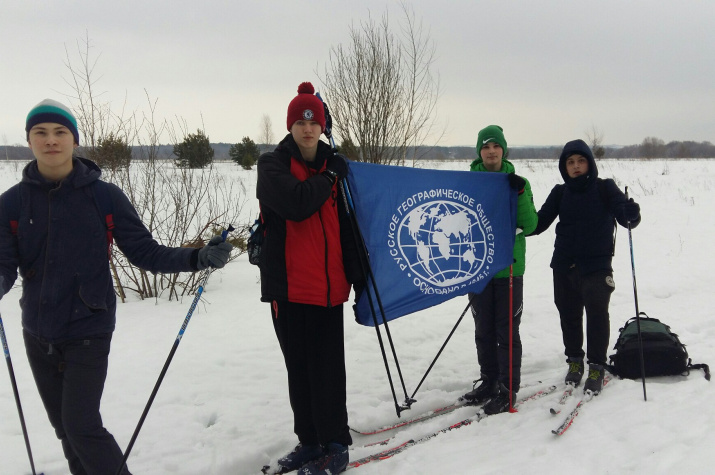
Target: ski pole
[
  {"x": 511, "y": 337},
  {"x": 195, "y": 302},
  {"x": 16, "y": 393},
  {"x": 635, "y": 295},
  {"x": 459, "y": 320}
]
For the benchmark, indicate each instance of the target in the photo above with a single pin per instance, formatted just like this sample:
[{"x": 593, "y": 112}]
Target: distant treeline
[{"x": 649, "y": 149}]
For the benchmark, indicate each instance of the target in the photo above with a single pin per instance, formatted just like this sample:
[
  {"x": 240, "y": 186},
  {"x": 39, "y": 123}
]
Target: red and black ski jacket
[{"x": 308, "y": 255}]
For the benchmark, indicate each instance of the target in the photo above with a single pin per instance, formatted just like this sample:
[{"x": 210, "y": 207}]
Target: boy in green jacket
[{"x": 491, "y": 307}]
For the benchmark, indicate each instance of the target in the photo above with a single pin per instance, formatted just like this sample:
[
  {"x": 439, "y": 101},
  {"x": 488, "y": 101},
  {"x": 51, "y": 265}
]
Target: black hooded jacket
[
  {"x": 61, "y": 252},
  {"x": 586, "y": 207}
]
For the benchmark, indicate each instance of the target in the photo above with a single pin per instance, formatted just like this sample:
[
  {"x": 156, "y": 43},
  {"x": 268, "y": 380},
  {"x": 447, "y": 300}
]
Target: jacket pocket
[{"x": 89, "y": 299}]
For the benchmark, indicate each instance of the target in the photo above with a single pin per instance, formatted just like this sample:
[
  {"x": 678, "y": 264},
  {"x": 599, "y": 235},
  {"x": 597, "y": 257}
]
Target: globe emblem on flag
[{"x": 443, "y": 242}]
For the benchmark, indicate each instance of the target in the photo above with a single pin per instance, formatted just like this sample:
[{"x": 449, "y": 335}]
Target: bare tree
[
  {"x": 95, "y": 118},
  {"x": 180, "y": 207},
  {"x": 381, "y": 89},
  {"x": 595, "y": 141},
  {"x": 266, "y": 136},
  {"x": 652, "y": 147}
]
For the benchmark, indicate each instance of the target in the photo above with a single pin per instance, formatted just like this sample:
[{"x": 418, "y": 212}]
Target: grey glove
[{"x": 214, "y": 254}]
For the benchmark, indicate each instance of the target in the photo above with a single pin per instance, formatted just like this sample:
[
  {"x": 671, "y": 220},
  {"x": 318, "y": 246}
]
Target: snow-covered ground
[{"x": 223, "y": 406}]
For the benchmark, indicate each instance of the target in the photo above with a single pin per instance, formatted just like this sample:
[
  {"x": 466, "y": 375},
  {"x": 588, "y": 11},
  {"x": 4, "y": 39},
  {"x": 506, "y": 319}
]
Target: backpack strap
[
  {"x": 702, "y": 366},
  {"x": 104, "y": 203},
  {"x": 12, "y": 207}
]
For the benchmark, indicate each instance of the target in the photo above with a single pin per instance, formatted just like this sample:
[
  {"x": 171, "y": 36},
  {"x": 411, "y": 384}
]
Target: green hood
[
  {"x": 478, "y": 166},
  {"x": 526, "y": 218}
]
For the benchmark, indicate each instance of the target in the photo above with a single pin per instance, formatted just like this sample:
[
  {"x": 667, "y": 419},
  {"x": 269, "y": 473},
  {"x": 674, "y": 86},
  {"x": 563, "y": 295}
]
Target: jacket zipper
[
  {"x": 47, "y": 257},
  {"x": 325, "y": 240}
]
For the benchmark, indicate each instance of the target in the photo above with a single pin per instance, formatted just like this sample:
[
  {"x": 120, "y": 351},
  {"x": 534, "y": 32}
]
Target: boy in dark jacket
[
  {"x": 308, "y": 261},
  {"x": 583, "y": 277},
  {"x": 59, "y": 243}
]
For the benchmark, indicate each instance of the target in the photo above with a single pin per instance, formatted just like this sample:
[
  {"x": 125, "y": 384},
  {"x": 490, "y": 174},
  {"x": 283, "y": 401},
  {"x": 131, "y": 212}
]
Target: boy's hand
[
  {"x": 516, "y": 182},
  {"x": 214, "y": 254},
  {"x": 631, "y": 210},
  {"x": 336, "y": 168}
]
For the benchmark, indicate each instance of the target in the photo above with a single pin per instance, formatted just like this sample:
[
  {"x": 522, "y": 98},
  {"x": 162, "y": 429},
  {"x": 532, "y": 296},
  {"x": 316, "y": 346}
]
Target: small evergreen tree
[
  {"x": 194, "y": 152},
  {"x": 245, "y": 153},
  {"x": 348, "y": 148},
  {"x": 112, "y": 152}
]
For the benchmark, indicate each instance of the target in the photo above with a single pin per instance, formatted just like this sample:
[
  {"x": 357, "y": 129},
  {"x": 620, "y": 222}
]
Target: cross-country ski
[
  {"x": 569, "y": 419},
  {"x": 391, "y": 452}
]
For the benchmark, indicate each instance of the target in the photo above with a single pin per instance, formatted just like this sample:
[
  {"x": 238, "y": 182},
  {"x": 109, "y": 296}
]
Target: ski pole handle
[{"x": 224, "y": 233}]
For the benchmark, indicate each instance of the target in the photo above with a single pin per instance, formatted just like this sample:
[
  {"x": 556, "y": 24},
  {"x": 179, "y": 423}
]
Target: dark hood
[
  {"x": 580, "y": 147},
  {"x": 83, "y": 172}
]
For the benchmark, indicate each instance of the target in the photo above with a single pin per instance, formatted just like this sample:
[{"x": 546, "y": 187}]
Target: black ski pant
[
  {"x": 312, "y": 341},
  {"x": 490, "y": 310},
  {"x": 573, "y": 293},
  {"x": 70, "y": 379}
]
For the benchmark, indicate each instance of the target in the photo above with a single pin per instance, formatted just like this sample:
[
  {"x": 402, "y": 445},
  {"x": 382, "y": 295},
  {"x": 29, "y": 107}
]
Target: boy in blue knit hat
[{"x": 53, "y": 232}]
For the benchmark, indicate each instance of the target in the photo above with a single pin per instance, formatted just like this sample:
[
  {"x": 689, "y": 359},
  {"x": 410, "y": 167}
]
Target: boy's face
[
  {"x": 306, "y": 134},
  {"x": 52, "y": 144},
  {"x": 492, "y": 154},
  {"x": 576, "y": 165}
]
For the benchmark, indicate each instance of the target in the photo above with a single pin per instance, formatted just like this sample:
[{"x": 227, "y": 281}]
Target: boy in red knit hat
[{"x": 308, "y": 262}]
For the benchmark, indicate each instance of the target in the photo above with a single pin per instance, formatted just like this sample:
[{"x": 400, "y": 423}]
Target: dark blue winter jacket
[
  {"x": 61, "y": 252},
  {"x": 586, "y": 206}
]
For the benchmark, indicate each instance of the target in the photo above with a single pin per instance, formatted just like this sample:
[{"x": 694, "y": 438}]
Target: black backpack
[{"x": 663, "y": 353}]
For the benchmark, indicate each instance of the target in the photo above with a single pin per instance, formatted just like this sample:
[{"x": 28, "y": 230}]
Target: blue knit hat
[{"x": 52, "y": 111}]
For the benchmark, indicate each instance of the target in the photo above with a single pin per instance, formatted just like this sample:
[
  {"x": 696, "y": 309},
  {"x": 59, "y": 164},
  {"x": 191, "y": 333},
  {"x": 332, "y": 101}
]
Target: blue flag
[{"x": 431, "y": 235}]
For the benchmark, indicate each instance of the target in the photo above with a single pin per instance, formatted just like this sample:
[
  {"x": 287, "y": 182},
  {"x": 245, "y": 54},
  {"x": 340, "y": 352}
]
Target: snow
[{"x": 223, "y": 405}]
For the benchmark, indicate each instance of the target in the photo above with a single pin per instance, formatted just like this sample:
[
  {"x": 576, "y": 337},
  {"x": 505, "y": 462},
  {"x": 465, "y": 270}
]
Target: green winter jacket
[{"x": 526, "y": 217}]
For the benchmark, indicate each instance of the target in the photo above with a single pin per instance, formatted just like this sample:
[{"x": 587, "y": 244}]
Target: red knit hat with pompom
[{"x": 306, "y": 106}]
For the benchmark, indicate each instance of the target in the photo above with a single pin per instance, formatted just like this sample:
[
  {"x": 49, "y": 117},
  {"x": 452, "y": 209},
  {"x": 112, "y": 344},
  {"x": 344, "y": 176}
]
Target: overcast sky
[{"x": 546, "y": 71}]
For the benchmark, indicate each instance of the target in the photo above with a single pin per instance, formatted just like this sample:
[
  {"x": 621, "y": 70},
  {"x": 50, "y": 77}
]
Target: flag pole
[
  {"x": 347, "y": 200},
  {"x": 367, "y": 271},
  {"x": 442, "y": 348},
  {"x": 511, "y": 338}
]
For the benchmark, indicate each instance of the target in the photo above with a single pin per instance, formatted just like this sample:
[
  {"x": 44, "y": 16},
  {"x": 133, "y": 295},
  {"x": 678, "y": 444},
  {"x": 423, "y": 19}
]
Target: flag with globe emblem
[{"x": 431, "y": 235}]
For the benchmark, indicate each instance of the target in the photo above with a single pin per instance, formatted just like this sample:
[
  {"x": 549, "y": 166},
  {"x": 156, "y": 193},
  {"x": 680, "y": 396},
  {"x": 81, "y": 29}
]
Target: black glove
[
  {"x": 631, "y": 210},
  {"x": 516, "y": 182},
  {"x": 214, "y": 254},
  {"x": 2, "y": 287},
  {"x": 337, "y": 168}
]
